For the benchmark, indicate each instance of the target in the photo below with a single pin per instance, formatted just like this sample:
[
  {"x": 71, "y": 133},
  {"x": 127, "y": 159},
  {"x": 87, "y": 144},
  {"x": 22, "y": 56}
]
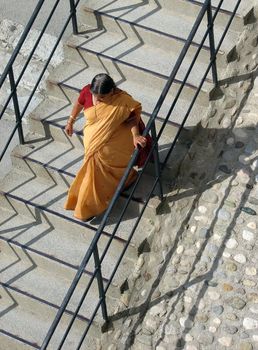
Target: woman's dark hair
[{"x": 102, "y": 84}]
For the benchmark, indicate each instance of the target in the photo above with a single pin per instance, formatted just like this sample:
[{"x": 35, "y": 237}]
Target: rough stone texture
[{"x": 10, "y": 33}]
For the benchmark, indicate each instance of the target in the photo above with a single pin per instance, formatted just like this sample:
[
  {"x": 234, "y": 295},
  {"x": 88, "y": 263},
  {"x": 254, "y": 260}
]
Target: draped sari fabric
[{"x": 108, "y": 144}]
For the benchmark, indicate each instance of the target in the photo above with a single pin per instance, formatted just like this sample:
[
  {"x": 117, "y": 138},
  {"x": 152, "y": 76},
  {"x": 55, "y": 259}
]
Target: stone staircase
[{"x": 41, "y": 243}]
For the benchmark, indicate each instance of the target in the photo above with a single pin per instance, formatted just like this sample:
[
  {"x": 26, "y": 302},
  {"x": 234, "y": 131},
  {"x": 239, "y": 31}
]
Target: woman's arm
[
  {"x": 77, "y": 108},
  {"x": 133, "y": 122}
]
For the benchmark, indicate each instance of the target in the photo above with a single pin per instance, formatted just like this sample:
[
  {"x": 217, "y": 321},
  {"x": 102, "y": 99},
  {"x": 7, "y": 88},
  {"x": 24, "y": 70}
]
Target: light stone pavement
[{"x": 198, "y": 287}]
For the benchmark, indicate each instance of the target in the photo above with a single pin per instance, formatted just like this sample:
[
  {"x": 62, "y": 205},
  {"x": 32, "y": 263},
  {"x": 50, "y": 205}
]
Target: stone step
[
  {"x": 228, "y": 6},
  {"x": 31, "y": 73},
  {"x": 155, "y": 16},
  {"x": 24, "y": 94},
  {"x": 38, "y": 235},
  {"x": 26, "y": 84},
  {"x": 48, "y": 159},
  {"x": 68, "y": 79},
  {"x": 128, "y": 46},
  {"x": 35, "y": 274},
  {"x": 193, "y": 7},
  {"x": 7, "y": 123},
  {"x": 26, "y": 320},
  {"x": 26, "y": 192},
  {"x": 130, "y": 41},
  {"x": 11, "y": 341}
]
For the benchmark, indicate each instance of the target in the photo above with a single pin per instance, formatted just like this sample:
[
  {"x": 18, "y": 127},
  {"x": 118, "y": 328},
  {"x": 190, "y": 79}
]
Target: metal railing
[
  {"x": 8, "y": 74},
  {"x": 93, "y": 250}
]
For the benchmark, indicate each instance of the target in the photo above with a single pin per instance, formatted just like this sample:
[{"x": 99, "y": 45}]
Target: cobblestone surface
[{"x": 198, "y": 287}]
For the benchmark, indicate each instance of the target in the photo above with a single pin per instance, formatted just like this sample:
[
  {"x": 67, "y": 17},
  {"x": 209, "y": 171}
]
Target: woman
[{"x": 110, "y": 134}]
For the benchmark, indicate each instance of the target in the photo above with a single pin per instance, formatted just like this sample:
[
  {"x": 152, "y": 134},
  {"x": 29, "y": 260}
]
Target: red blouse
[{"x": 85, "y": 97}]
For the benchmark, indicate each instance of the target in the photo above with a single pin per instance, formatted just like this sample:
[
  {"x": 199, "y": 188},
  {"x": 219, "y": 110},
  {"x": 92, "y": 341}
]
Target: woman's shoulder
[
  {"x": 85, "y": 96},
  {"x": 127, "y": 98},
  {"x": 86, "y": 88},
  {"x": 85, "y": 91},
  {"x": 122, "y": 94}
]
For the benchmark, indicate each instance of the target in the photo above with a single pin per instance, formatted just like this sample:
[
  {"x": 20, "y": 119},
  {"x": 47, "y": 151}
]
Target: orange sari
[{"x": 108, "y": 144}]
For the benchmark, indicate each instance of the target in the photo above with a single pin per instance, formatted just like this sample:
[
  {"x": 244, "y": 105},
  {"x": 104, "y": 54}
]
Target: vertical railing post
[
  {"x": 16, "y": 105},
  {"x": 74, "y": 17},
  {"x": 100, "y": 284},
  {"x": 212, "y": 44},
  {"x": 156, "y": 160}
]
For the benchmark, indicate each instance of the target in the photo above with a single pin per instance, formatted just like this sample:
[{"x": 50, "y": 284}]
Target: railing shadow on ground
[{"x": 129, "y": 8}]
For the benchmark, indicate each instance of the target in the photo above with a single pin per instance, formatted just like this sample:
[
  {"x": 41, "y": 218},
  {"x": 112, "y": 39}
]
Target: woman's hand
[
  {"x": 139, "y": 140},
  {"x": 69, "y": 129}
]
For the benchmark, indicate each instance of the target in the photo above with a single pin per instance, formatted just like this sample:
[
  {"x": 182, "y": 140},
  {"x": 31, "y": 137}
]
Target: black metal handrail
[
  {"x": 8, "y": 72},
  {"x": 93, "y": 249}
]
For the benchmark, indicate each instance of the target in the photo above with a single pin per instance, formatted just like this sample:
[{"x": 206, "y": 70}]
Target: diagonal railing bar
[
  {"x": 94, "y": 275},
  {"x": 16, "y": 105},
  {"x": 37, "y": 42},
  {"x": 9, "y": 66},
  {"x": 21, "y": 41},
  {"x": 28, "y": 59},
  {"x": 46, "y": 65},
  {"x": 118, "y": 262},
  {"x": 212, "y": 43},
  {"x": 130, "y": 165},
  {"x": 177, "y": 65},
  {"x": 201, "y": 83},
  {"x": 184, "y": 80}
]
